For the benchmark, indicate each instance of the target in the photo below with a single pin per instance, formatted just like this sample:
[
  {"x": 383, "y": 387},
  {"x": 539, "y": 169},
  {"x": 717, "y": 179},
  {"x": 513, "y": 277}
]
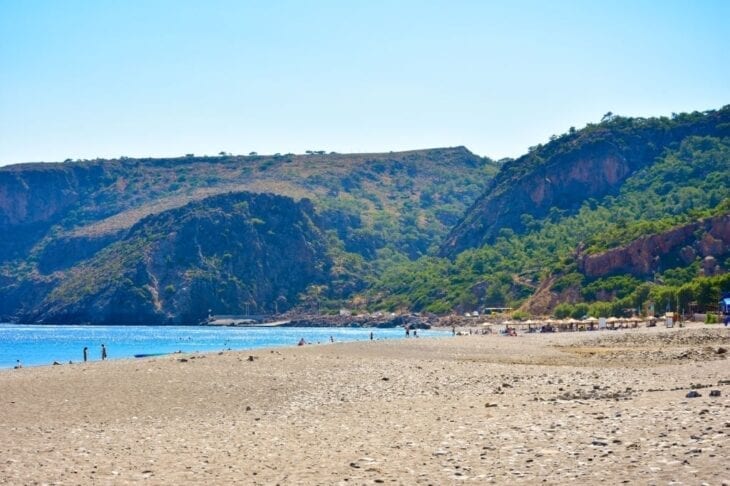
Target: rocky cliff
[
  {"x": 560, "y": 176},
  {"x": 708, "y": 239},
  {"x": 33, "y": 197}
]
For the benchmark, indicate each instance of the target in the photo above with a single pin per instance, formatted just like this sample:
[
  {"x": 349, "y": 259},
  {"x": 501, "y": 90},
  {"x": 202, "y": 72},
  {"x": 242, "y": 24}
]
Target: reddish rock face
[
  {"x": 688, "y": 255},
  {"x": 26, "y": 197},
  {"x": 710, "y": 266},
  {"x": 642, "y": 256},
  {"x": 587, "y": 174},
  {"x": 710, "y": 246},
  {"x": 721, "y": 229},
  {"x": 566, "y": 172}
]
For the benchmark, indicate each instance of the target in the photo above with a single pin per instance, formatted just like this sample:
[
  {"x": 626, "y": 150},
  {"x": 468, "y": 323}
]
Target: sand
[{"x": 555, "y": 409}]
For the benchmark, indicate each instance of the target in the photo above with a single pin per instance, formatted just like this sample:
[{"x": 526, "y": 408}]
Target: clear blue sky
[{"x": 96, "y": 78}]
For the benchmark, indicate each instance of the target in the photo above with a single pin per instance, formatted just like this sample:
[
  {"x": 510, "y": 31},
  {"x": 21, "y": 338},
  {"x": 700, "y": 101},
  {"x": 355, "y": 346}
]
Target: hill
[
  {"x": 591, "y": 163},
  {"x": 533, "y": 239},
  {"x": 229, "y": 253},
  {"x": 76, "y": 223},
  {"x": 622, "y": 215}
]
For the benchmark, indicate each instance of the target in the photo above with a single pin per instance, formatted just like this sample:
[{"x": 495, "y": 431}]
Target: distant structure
[
  {"x": 497, "y": 310},
  {"x": 231, "y": 320}
]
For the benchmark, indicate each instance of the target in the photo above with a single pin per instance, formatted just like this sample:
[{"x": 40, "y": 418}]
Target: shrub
[{"x": 520, "y": 315}]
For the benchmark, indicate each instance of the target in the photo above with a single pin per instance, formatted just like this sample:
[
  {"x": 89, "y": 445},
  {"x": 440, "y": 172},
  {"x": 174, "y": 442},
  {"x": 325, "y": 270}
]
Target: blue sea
[{"x": 37, "y": 345}]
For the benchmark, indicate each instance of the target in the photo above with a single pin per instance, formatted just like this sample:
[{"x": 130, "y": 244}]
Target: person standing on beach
[
  {"x": 86, "y": 354},
  {"x": 371, "y": 335},
  {"x": 103, "y": 352}
]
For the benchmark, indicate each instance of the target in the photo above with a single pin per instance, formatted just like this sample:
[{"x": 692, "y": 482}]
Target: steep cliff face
[
  {"x": 33, "y": 197},
  {"x": 591, "y": 163},
  {"x": 706, "y": 238},
  {"x": 227, "y": 254},
  {"x": 36, "y": 194},
  {"x": 593, "y": 171}
]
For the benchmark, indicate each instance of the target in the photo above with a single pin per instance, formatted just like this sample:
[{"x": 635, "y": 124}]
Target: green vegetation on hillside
[
  {"x": 558, "y": 230},
  {"x": 682, "y": 185},
  {"x": 74, "y": 234},
  {"x": 226, "y": 254},
  {"x": 556, "y": 179}
]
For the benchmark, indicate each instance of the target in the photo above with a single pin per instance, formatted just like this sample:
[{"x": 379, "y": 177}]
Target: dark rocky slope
[{"x": 228, "y": 253}]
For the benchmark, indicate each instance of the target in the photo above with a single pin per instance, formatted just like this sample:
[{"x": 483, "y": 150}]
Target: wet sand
[{"x": 555, "y": 409}]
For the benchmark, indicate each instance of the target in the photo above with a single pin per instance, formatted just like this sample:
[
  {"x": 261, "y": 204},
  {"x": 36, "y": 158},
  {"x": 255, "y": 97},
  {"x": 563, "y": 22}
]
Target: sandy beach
[{"x": 553, "y": 408}]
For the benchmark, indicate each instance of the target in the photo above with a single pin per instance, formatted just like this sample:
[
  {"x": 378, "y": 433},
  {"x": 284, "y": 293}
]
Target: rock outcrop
[
  {"x": 708, "y": 238},
  {"x": 35, "y": 196},
  {"x": 561, "y": 175}
]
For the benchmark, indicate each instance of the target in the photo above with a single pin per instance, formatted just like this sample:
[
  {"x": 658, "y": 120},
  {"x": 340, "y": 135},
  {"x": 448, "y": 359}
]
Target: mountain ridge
[
  {"x": 367, "y": 209},
  {"x": 439, "y": 230},
  {"x": 591, "y": 162}
]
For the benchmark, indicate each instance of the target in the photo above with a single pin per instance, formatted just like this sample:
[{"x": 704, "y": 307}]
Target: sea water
[{"x": 37, "y": 345}]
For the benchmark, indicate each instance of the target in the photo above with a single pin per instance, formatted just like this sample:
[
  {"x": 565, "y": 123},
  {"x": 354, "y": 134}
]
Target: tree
[
  {"x": 279, "y": 302},
  {"x": 311, "y": 296}
]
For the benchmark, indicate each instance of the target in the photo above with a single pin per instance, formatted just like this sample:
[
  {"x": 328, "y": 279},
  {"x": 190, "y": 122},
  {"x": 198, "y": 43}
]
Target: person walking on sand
[
  {"x": 86, "y": 354},
  {"x": 103, "y": 352}
]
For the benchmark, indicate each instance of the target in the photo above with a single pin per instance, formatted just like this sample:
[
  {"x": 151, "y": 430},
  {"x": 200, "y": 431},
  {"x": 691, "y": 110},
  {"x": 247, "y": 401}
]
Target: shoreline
[
  {"x": 561, "y": 407},
  {"x": 123, "y": 345},
  {"x": 445, "y": 330}
]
